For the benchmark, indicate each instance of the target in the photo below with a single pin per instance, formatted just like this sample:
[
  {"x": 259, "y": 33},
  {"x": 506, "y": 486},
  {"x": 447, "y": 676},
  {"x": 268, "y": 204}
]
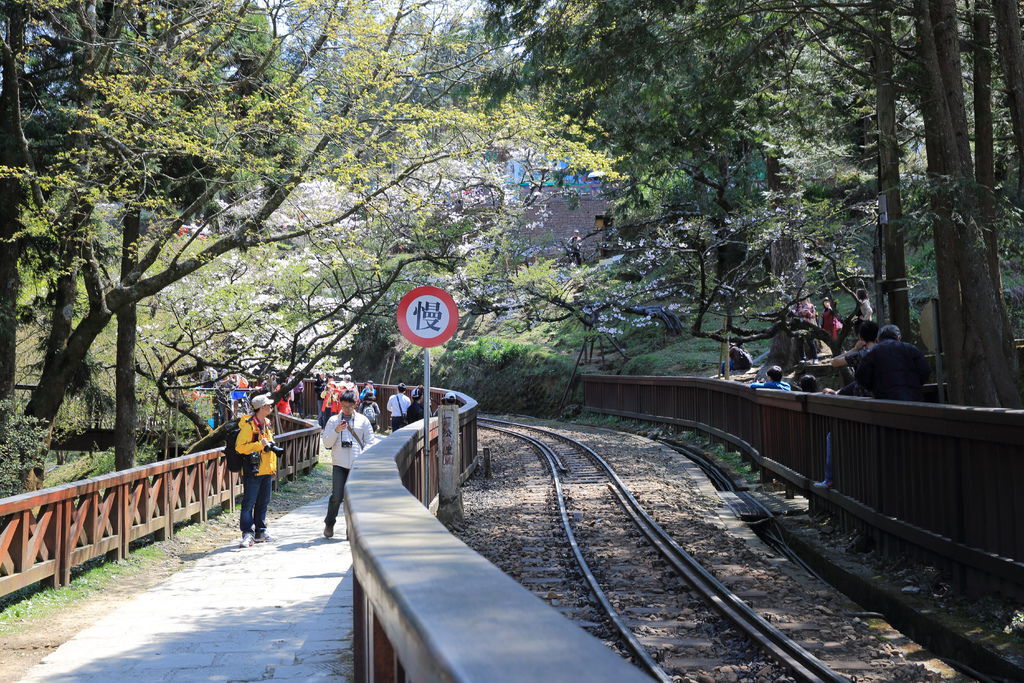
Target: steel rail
[
  {"x": 556, "y": 466},
  {"x": 781, "y": 647},
  {"x": 767, "y": 529}
]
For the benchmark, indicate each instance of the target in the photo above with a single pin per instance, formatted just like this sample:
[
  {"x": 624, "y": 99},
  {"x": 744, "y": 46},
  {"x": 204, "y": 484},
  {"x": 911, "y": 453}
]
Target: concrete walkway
[{"x": 276, "y": 611}]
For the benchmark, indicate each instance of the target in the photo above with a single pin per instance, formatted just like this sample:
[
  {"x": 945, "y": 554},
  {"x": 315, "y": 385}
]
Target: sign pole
[
  {"x": 426, "y": 426},
  {"x": 427, "y": 317}
]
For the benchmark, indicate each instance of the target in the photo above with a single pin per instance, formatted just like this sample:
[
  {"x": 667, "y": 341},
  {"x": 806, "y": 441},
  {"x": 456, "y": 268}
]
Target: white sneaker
[{"x": 247, "y": 541}]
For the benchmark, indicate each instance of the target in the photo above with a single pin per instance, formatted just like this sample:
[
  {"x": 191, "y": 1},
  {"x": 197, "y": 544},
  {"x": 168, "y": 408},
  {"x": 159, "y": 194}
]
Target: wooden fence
[
  {"x": 938, "y": 482},
  {"x": 43, "y": 534}
]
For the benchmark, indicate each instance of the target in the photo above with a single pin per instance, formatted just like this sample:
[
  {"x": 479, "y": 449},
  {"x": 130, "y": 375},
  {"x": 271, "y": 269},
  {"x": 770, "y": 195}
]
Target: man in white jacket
[{"x": 347, "y": 434}]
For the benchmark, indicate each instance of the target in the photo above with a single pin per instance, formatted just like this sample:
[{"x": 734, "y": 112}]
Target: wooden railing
[
  {"x": 427, "y": 607},
  {"x": 938, "y": 482},
  {"x": 45, "y": 533}
]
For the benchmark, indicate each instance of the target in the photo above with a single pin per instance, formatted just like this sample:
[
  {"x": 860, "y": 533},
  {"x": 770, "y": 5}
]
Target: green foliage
[
  {"x": 1016, "y": 624},
  {"x": 505, "y": 376},
  {"x": 684, "y": 357},
  {"x": 492, "y": 353},
  {"x": 22, "y": 446}
]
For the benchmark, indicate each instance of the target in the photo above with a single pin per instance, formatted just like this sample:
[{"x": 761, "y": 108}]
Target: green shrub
[
  {"x": 506, "y": 376},
  {"x": 493, "y": 352},
  {"x": 22, "y": 446}
]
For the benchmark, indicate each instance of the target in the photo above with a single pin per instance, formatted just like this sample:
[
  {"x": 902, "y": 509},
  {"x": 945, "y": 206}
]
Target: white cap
[{"x": 260, "y": 401}]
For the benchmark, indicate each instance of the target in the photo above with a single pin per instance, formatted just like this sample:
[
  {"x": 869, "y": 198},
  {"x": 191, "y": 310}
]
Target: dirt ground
[{"x": 27, "y": 642}]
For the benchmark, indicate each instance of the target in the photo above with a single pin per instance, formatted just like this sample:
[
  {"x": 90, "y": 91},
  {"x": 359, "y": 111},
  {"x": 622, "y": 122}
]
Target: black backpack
[{"x": 234, "y": 458}]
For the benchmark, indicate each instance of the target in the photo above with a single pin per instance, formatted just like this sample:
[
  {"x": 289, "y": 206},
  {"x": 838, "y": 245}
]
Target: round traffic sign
[{"x": 427, "y": 316}]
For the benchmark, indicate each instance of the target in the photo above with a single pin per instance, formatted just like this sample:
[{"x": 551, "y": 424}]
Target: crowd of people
[
  {"x": 232, "y": 392},
  {"x": 883, "y": 365},
  {"x": 349, "y": 416}
]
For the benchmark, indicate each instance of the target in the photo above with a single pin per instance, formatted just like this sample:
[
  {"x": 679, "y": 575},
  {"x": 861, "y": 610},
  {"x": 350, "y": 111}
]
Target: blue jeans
[
  {"x": 325, "y": 415},
  {"x": 339, "y": 476},
  {"x": 255, "y": 499}
]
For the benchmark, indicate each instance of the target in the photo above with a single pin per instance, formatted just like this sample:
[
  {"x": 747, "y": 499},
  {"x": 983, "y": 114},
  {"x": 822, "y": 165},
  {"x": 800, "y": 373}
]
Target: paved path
[{"x": 280, "y": 611}]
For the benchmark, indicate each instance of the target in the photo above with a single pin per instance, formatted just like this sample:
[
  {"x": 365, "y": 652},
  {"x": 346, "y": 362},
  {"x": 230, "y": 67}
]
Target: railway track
[{"x": 671, "y": 615}]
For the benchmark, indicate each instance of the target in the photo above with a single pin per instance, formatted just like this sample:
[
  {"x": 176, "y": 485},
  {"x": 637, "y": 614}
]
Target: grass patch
[
  {"x": 39, "y": 604},
  {"x": 733, "y": 460},
  {"x": 83, "y": 467},
  {"x": 607, "y": 422},
  {"x": 93, "y": 464}
]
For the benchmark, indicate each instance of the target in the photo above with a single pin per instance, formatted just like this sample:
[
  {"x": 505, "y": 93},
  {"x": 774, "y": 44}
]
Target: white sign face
[{"x": 427, "y": 316}]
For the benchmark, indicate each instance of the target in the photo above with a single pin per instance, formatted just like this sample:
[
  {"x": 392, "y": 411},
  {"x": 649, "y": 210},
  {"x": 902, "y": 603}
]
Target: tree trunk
[
  {"x": 984, "y": 155},
  {"x": 126, "y": 416},
  {"x": 979, "y": 353},
  {"x": 57, "y": 375},
  {"x": 12, "y": 197},
  {"x": 787, "y": 257},
  {"x": 889, "y": 173},
  {"x": 1011, "y": 55}
]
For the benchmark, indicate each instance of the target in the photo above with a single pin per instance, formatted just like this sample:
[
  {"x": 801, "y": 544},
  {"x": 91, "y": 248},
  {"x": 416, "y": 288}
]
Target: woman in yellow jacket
[{"x": 256, "y": 440}]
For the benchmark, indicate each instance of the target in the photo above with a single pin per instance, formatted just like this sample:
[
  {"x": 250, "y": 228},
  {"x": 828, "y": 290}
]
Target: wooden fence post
[
  {"x": 61, "y": 549},
  {"x": 124, "y": 522},
  {"x": 52, "y": 539}
]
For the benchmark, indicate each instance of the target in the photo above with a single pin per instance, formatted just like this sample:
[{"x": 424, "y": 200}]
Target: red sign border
[{"x": 453, "y": 316}]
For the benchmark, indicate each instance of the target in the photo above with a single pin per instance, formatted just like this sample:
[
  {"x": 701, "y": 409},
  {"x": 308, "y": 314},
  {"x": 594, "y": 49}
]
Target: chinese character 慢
[{"x": 428, "y": 315}]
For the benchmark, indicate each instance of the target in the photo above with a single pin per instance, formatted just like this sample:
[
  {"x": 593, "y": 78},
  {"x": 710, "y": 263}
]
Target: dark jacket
[
  {"x": 415, "y": 411},
  {"x": 740, "y": 359},
  {"x": 894, "y": 371}
]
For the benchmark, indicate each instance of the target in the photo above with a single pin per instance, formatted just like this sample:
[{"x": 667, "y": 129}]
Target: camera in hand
[{"x": 276, "y": 449}]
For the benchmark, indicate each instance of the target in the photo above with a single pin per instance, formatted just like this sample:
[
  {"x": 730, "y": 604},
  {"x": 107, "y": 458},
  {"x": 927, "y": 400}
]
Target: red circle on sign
[{"x": 446, "y": 300}]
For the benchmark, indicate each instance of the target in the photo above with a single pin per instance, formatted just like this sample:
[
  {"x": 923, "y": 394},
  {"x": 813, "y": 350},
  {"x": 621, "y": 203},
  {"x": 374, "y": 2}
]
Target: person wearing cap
[
  {"x": 254, "y": 442},
  {"x": 368, "y": 389},
  {"x": 416, "y": 407},
  {"x": 347, "y": 434},
  {"x": 398, "y": 408},
  {"x": 449, "y": 399}
]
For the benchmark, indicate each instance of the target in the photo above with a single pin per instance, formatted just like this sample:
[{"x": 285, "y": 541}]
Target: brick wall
[{"x": 550, "y": 221}]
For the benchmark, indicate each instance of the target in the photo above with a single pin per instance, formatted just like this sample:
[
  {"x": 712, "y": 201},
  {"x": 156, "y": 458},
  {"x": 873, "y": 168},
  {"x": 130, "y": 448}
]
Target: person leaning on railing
[
  {"x": 774, "y": 374},
  {"x": 894, "y": 370},
  {"x": 255, "y": 443}
]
